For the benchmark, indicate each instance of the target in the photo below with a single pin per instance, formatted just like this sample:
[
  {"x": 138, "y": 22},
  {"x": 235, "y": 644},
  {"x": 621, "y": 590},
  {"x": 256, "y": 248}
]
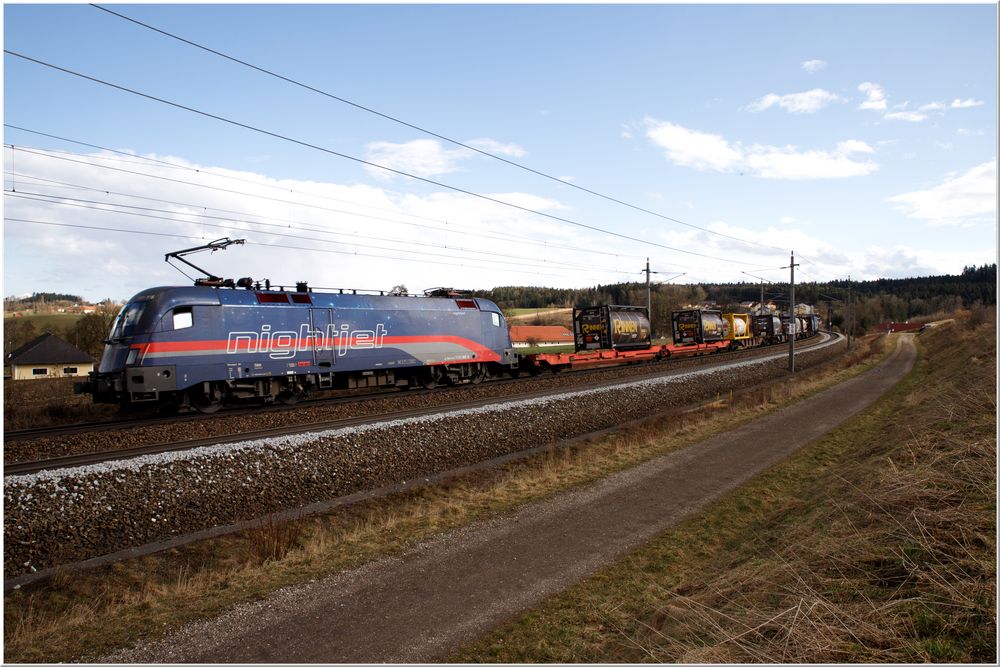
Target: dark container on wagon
[{"x": 611, "y": 328}]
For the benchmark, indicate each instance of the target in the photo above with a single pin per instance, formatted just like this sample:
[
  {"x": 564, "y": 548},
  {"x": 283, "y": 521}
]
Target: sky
[{"x": 861, "y": 137}]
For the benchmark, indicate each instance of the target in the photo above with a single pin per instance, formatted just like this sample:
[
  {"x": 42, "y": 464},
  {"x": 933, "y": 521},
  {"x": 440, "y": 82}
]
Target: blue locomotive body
[{"x": 201, "y": 345}]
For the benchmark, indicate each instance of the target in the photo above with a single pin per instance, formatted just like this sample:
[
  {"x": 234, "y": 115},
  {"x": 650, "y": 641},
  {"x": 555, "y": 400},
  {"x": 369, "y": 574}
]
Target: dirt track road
[{"x": 430, "y": 601}]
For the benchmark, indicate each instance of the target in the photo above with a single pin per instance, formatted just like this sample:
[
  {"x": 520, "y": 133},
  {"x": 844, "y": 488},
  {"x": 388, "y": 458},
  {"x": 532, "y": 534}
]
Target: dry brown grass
[
  {"x": 49, "y": 402},
  {"x": 88, "y": 615}
]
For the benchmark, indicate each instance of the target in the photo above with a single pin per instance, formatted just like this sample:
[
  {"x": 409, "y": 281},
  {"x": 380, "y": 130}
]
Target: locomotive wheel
[
  {"x": 431, "y": 378},
  {"x": 210, "y": 403},
  {"x": 479, "y": 375},
  {"x": 288, "y": 397}
]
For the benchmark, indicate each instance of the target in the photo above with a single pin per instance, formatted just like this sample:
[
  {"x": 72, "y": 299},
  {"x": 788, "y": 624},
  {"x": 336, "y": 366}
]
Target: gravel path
[{"x": 430, "y": 601}]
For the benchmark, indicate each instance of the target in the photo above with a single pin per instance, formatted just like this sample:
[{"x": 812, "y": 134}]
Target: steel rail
[{"x": 89, "y": 458}]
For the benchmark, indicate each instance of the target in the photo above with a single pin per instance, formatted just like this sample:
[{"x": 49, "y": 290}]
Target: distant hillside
[
  {"x": 41, "y": 298},
  {"x": 875, "y": 301}
]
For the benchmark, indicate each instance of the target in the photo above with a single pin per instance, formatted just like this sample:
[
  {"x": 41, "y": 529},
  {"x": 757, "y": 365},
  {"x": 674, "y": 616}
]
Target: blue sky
[{"x": 862, "y": 137}]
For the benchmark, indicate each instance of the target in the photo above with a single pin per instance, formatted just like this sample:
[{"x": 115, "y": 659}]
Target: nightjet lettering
[{"x": 285, "y": 344}]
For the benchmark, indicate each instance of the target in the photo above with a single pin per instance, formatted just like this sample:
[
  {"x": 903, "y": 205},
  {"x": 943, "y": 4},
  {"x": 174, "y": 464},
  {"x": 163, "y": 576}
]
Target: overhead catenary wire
[
  {"x": 541, "y": 264},
  {"x": 98, "y": 205},
  {"x": 255, "y": 183},
  {"x": 262, "y": 245},
  {"x": 426, "y": 131},
  {"x": 547, "y": 245},
  {"x": 504, "y": 237},
  {"x": 329, "y": 151}
]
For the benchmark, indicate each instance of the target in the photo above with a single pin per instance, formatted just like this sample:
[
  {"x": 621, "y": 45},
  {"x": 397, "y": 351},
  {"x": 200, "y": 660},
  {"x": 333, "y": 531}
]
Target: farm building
[
  {"x": 529, "y": 336},
  {"x": 48, "y": 356}
]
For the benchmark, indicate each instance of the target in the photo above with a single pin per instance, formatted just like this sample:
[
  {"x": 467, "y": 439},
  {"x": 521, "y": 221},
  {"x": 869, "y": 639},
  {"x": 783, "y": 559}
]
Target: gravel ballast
[
  {"x": 62, "y": 516},
  {"x": 124, "y": 435}
]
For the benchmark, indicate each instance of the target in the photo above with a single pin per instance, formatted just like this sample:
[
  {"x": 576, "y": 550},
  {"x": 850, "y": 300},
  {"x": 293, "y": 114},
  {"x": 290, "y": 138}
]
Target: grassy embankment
[
  {"x": 73, "y": 617},
  {"x": 876, "y": 544}
]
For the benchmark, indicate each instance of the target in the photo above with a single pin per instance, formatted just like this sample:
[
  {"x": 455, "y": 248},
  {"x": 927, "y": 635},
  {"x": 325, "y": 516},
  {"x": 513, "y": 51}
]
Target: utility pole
[
  {"x": 850, "y": 313},
  {"x": 649, "y": 296},
  {"x": 791, "y": 317},
  {"x": 760, "y": 307}
]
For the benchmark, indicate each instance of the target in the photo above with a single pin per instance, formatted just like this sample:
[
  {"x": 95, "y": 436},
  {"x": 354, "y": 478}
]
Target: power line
[
  {"x": 216, "y": 174},
  {"x": 96, "y": 205},
  {"x": 505, "y": 263},
  {"x": 505, "y": 237},
  {"x": 424, "y": 130},
  {"x": 262, "y": 245},
  {"x": 329, "y": 151},
  {"x": 46, "y": 154}
]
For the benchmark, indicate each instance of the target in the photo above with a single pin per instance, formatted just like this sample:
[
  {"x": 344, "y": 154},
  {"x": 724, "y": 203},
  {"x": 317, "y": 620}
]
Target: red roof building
[{"x": 897, "y": 327}]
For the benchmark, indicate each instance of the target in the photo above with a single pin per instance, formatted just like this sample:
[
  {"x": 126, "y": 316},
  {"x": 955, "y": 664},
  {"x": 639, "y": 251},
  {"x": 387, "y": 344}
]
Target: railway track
[
  {"x": 130, "y": 522},
  {"x": 92, "y": 457}
]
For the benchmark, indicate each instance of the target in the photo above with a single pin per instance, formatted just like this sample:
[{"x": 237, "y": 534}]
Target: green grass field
[{"x": 55, "y": 322}]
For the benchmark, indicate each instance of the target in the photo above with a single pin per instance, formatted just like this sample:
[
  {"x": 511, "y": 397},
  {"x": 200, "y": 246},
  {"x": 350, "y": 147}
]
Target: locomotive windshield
[{"x": 128, "y": 318}]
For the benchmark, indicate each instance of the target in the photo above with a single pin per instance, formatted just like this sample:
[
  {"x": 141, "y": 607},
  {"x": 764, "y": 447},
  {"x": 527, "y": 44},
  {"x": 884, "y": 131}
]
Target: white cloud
[
  {"x": 791, "y": 164},
  {"x": 904, "y": 261},
  {"x": 787, "y": 220},
  {"x": 911, "y": 116},
  {"x": 430, "y": 157},
  {"x": 703, "y": 151},
  {"x": 421, "y": 157},
  {"x": 876, "y": 96},
  {"x": 810, "y": 101},
  {"x": 813, "y": 66},
  {"x": 966, "y": 104},
  {"x": 497, "y": 148},
  {"x": 933, "y": 106},
  {"x": 965, "y": 132},
  {"x": 965, "y": 198},
  {"x": 691, "y": 148},
  {"x": 854, "y": 146}
]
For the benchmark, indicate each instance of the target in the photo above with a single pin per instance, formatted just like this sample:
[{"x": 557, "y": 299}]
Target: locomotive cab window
[
  {"x": 183, "y": 318},
  {"x": 496, "y": 319}
]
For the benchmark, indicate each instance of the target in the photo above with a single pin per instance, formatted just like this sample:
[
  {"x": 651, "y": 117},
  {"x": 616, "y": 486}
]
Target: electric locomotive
[{"x": 202, "y": 345}]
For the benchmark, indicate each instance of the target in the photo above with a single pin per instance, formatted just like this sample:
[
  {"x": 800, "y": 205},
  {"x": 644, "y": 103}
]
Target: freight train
[
  {"x": 612, "y": 335},
  {"x": 204, "y": 345}
]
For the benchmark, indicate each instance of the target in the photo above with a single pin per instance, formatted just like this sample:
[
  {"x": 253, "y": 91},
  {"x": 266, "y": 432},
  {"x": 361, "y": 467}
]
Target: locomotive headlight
[{"x": 133, "y": 354}]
